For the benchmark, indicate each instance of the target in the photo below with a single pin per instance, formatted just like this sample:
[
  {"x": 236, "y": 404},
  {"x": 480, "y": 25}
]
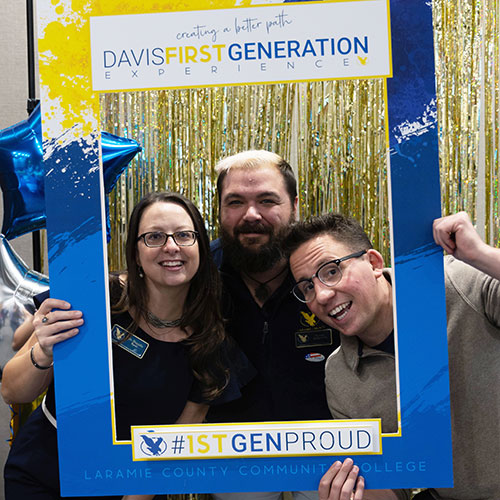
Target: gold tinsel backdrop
[{"x": 332, "y": 133}]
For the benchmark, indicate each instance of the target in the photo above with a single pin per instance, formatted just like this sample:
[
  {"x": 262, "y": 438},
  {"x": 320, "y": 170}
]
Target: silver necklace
[{"x": 161, "y": 323}]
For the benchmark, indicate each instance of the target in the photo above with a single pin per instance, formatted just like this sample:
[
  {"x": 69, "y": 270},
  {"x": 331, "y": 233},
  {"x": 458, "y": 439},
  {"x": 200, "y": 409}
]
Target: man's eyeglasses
[
  {"x": 156, "y": 239},
  {"x": 328, "y": 273}
]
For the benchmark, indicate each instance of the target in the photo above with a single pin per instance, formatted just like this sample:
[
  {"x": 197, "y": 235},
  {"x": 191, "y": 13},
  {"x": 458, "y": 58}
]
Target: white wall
[{"x": 13, "y": 99}]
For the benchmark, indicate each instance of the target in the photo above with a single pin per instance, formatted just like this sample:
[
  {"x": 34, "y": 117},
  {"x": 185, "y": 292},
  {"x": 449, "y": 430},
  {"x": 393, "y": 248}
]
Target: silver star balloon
[{"x": 18, "y": 285}]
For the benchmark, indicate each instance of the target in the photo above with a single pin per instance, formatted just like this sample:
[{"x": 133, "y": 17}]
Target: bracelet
[{"x": 35, "y": 364}]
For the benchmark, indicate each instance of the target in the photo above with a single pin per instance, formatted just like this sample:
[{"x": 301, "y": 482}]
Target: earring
[{"x": 141, "y": 272}]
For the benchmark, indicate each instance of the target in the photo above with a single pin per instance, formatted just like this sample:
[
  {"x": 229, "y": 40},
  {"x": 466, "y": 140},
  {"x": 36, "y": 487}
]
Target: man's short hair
[
  {"x": 345, "y": 230},
  {"x": 254, "y": 159}
]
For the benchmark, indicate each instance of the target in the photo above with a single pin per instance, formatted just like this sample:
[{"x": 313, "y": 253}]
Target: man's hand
[
  {"x": 456, "y": 234},
  {"x": 342, "y": 482}
]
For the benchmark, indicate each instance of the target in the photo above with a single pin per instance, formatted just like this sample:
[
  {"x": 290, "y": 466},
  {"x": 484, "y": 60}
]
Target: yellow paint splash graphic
[{"x": 65, "y": 62}]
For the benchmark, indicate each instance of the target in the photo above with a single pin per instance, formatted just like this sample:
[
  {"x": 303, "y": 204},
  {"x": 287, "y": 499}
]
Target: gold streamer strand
[
  {"x": 342, "y": 164},
  {"x": 467, "y": 54},
  {"x": 491, "y": 12}
]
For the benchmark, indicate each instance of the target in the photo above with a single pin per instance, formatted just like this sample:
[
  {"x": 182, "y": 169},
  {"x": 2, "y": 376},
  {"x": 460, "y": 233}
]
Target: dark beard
[{"x": 249, "y": 260}]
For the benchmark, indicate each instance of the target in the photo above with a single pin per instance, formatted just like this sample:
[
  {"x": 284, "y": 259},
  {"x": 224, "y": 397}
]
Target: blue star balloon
[{"x": 22, "y": 171}]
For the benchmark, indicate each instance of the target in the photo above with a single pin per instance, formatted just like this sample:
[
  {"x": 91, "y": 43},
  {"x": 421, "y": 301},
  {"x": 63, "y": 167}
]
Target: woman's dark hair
[{"x": 201, "y": 312}]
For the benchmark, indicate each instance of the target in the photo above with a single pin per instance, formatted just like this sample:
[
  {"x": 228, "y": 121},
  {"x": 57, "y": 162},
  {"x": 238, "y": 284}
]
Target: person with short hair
[
  {"x": 343, "y": 281},
  {"x": 287, "y": 344}
]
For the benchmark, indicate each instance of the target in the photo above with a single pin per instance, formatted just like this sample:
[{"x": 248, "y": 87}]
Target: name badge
[
  {"x": 313, "y": 338},
  {"x": 134, "y": 345}
]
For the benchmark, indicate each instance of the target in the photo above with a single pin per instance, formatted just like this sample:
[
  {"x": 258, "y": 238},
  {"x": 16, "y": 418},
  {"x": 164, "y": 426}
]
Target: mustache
[{"x": 252, "y": 227}]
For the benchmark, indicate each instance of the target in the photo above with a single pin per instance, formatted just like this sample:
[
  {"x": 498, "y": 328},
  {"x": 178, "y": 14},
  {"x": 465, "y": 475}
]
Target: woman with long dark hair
[{"x": 167, "y": 303}]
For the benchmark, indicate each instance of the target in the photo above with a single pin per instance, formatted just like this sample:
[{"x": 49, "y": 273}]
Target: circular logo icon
[{"x": 152, "y": 446}]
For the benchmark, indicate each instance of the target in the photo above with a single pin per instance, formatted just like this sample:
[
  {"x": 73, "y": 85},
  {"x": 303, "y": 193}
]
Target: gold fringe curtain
[
  {"x": 467, "y": 69},
  {"x": 331, "y": 132},
  {"x": 341, "y": 153},
  {"x": 184, "y": 133}
]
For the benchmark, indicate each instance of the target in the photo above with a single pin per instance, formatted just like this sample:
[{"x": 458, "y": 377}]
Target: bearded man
[{"x": 286, "y": 343}]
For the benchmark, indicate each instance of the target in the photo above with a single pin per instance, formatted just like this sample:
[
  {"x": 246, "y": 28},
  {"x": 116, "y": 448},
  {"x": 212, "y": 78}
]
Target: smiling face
[
  {"x": 254, "y": 203},
  {"x": 255, "y": 210},
  {"x": 170, "y": 265},
  {"x": 361, "y": 303}
]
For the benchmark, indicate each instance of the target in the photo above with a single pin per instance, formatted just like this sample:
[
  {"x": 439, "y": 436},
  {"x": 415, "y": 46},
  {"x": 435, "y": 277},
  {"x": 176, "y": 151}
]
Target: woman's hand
[
  {"x": 27, "y": 374},
  {"x": 54, "y": 322}
]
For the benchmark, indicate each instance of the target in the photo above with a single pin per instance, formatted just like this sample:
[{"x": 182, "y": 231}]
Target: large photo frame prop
[{"x": 86, "y": 48}]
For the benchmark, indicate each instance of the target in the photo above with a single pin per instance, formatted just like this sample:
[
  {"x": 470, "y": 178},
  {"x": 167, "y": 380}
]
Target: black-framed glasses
[
  {"x": 155, "y": 239},
  {"x": 328, "y": 273}
]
